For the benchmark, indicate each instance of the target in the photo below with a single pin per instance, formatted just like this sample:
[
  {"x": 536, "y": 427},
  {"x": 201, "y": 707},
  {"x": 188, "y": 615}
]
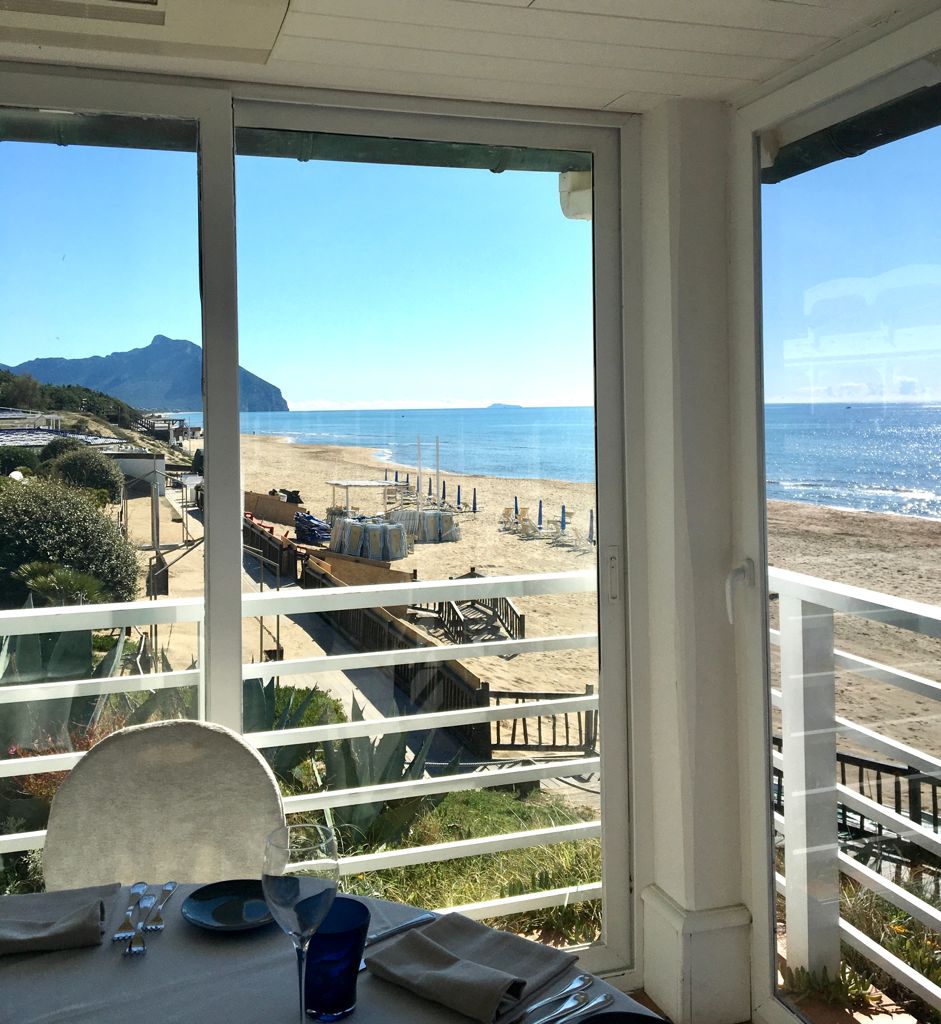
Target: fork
[
  {"x": 154, "y": 921},
  {"x": 126, "y": 927},
  {"x": 137, "y": 944}
]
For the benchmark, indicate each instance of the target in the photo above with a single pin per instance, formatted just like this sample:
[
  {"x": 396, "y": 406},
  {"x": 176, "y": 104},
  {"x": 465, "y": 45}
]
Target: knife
[{"x": 397, "y": 929}]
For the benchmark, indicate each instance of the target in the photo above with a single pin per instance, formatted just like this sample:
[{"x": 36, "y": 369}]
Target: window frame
[{"x": 614, "y": 142}]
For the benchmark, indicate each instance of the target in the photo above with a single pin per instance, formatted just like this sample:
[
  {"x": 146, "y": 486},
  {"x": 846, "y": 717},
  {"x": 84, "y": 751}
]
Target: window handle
[
  {"x": 744, "y": 573},
  {"x": 613, "y": 561}
]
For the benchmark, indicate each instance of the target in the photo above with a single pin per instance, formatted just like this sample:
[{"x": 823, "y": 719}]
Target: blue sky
[
  {"x": 359, "y": 286},
  {"x": 365, "y": 286},
  {"x": 852, "y": 278}
]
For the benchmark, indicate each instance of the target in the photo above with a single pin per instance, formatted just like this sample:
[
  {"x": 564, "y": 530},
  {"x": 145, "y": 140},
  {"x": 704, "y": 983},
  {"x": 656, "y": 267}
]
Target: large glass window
[
  {"x": 852, "y": 383},
  {"x": 100, "y": 329},
  {"x": 419, "y": 318}
]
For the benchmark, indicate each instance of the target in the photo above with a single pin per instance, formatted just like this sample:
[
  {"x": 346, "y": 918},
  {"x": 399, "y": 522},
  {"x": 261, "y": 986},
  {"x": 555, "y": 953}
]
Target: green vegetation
[
  {"x": 24, "y": 392},
  {"x": 48, "y": 521},
  {"x": 88, "y": 469},
  {"x": 16, "y": 457},
  {"x": 468, "y": 815},
  {"x": 59, "y": 446}
]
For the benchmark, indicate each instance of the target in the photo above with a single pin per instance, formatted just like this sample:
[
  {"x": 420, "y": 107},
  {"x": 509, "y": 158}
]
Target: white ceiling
[{"x": 625, "y": 55}]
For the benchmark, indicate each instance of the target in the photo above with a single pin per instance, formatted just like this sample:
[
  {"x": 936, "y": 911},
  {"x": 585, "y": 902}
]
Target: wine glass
[{"x": 299, "y": 880}]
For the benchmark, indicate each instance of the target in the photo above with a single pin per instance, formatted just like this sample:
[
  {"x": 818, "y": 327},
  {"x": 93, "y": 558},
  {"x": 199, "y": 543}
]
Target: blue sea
[{"x": 880, "y": 458}]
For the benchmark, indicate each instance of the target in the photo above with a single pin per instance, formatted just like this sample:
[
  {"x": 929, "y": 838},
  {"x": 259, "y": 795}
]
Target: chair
[
  {"x": 505, "y": 521},
  {"x": 528, "y": 529},
  {"x": 176, "y": 800}
]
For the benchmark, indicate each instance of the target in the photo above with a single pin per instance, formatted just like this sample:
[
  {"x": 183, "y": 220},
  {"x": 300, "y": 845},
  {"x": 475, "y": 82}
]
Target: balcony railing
[
  {"x": 815, "y": 803},
  {"x": 164, "y": 612}
]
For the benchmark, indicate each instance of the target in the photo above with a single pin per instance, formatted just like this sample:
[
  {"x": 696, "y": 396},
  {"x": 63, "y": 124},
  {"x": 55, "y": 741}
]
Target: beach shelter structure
[{"x": 675, "y": 113}]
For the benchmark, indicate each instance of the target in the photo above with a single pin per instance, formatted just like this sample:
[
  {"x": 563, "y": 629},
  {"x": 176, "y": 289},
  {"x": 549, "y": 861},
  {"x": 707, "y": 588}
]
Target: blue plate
[{"x": 233, "y": 906}]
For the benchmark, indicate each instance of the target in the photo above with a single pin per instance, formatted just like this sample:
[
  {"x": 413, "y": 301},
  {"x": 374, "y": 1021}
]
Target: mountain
[{"x": 166, "y": 375}]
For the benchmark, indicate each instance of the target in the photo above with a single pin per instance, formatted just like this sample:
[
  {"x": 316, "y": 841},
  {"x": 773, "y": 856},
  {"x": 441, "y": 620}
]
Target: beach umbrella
[
  {"x": 474, "y": 504},
  {"x": 396, "y": 476},
  {"x": 407, "y": 481},
  {"x": 591, "y": 526},
  {"x": 539, "y": 515},
  {"x": 458, "y": 495},
  {"x": 562, "y": 523},
  {"x": 429, "y": 485},
  {"x": 386, "y": 474},
  {"x": 516, "y": 506},
  {"x": 444, "y": 490}
]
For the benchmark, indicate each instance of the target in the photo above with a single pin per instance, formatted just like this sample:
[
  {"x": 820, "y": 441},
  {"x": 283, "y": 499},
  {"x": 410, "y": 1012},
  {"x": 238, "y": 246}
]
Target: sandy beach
[
  {"x": 885, "y": 553},
  {"x": 271, "y": 462}
]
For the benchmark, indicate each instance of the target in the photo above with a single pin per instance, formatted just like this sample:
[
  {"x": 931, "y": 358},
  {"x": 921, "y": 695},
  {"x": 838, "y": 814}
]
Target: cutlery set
[
  {"x": 143, "y": 914},
  {"x": 576, "y": 1003}
]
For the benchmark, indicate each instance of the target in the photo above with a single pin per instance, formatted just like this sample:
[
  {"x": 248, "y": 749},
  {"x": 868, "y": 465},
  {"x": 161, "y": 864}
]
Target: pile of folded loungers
[{"x": 310, "y": 529}]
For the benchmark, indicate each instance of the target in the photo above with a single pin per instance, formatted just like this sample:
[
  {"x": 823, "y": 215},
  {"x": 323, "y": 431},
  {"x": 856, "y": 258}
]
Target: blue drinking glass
[{"x": 333, "y": 959}]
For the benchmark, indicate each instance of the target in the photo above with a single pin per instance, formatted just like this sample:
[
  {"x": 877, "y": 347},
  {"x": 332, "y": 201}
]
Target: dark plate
[
  {"x": 232, "y": 906},
  {"x": 621, "y": 1017}
]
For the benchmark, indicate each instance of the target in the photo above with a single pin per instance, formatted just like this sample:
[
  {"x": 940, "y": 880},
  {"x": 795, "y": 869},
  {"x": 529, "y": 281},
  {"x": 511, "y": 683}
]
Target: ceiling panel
[
  {"x": 494, "y": 44},
  {"x": 804, "y": 16},
  {"x": 540, "y": 23}
]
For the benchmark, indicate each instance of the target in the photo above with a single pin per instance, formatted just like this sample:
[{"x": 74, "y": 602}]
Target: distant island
[
  {"x": 503, "y": 405},
  {"x": 165, "y": 375}
]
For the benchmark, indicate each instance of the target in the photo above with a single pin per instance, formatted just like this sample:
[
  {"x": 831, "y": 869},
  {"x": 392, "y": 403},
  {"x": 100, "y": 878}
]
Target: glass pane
[
  {"x": 853, "y": 378},
  {"x": 99, "y": 330},
  {"x": 426, "y": 329}
]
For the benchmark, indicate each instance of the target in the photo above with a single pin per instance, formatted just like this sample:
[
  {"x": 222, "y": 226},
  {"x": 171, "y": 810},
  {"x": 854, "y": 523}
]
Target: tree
[
  {"x": 59, "y": 446},
  {"x": 13, "y": 457},
  {"x": 47, "y": 521},
  {"x": 55, "y": 584},
  {"x": 90, "y": 469}
]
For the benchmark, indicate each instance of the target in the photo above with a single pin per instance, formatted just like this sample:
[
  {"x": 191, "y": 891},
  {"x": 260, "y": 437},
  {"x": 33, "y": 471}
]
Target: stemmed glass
[{"x": 299, "y": 879}]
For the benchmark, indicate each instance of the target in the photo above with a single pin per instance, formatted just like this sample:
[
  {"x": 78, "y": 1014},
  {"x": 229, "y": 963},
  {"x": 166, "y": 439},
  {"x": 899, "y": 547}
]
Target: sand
[{"x": 885, "y": 553}]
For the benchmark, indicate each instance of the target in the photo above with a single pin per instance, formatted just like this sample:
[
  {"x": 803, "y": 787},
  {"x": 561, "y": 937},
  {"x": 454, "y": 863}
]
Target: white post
[{"x": 809, "y": 752}]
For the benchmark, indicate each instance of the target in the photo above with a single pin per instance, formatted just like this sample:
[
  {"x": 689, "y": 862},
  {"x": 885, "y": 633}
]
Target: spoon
[
  {"x": 575, "y": 985},
  {"x": 568, "y": 1012}
]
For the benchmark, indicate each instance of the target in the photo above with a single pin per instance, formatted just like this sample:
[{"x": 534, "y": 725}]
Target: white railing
[
  {"x": 810, "y": 730},
  {"x": 165, "y": 612}
]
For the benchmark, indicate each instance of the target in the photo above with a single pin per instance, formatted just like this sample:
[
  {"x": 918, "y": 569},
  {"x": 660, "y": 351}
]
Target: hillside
[
  {"x": 165, "y": 375},
  {"x": 24, "y": 392}
]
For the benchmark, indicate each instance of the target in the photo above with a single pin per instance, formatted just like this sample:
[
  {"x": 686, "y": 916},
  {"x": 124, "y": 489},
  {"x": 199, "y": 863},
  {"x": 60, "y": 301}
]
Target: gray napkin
[
  {"x": 467, "y": 966},
  {"x": 46, "y": 921}
]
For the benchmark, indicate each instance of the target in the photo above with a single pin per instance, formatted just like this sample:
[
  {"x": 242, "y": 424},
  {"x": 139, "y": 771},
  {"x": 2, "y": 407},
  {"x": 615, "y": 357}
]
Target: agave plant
[{"x": 357, "y": 762}]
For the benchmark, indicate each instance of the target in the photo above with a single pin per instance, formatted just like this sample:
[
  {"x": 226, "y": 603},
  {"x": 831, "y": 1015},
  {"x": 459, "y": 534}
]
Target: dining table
[{"x": 198, "y": 976}]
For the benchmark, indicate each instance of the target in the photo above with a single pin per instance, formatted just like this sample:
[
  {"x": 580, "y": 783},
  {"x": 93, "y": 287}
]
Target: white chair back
[{"x": 176, "y": 800}]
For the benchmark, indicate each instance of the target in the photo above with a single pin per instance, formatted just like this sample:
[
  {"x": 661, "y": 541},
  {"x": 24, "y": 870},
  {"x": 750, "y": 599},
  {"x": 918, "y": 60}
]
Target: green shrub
[
  {"x": 46, "y": 521},
  {"x": 59, "y": 446},
  {"x": 89, "y": 469},
  {"x": 15, "y": 457}
]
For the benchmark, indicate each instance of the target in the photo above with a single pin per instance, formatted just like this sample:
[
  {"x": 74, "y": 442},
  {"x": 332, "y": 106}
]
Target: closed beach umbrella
[
  {"x": 458, "y": 495},
  {"x": 396, "y": 476},
  {"x": 474, "y": 501},
  {"x": 539, "y": 515},
  {"x": 386, "y": 474},
  {"x": 429, "y": 486},
  {"x": 444, "y": 490},
  {"x": 591, "y": 526},
  {"x": 563, "y": 519},
  {"x": 516, "y": 506},
  {"x": 407, "y": 481}
]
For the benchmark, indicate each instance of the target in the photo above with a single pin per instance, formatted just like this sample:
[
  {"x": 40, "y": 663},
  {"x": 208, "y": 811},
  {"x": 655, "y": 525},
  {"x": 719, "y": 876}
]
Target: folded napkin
[
  {"x": 467, "y": 966},
  {"x": 46, "y": 921}
]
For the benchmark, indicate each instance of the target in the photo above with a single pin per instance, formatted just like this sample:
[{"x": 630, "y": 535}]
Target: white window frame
[
  {"x": 613, "y": 140},
  {"x": 852, "y": 83}
]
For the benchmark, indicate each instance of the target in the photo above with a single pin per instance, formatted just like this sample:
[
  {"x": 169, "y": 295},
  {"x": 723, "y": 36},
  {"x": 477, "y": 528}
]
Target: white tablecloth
[{"x": 192, "y": 976}]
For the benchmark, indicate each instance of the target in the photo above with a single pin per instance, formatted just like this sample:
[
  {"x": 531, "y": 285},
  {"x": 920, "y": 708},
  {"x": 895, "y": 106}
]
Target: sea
[{"x": 866, "y": 456}]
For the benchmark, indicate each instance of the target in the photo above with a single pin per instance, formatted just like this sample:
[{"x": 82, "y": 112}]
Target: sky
[
  {"x": 851, "y": 262},
  {"x": 368, "y": 286},
  {"x": 360, "y": 286}
]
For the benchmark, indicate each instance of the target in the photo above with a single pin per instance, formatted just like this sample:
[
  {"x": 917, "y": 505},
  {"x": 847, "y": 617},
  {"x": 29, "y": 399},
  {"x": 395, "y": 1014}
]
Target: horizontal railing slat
[
  {"x": 895, "y": 894},
  {"x": 20, "y": 693},
  {"x": 527, "y": 901},
  {"x": 440, "y": 784},
  {"x": 420, "y": 655},
  {"x": 428, "y": 720},
  {"x": 898, "y": 969},
  {"x": 469, "y": 847}
]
